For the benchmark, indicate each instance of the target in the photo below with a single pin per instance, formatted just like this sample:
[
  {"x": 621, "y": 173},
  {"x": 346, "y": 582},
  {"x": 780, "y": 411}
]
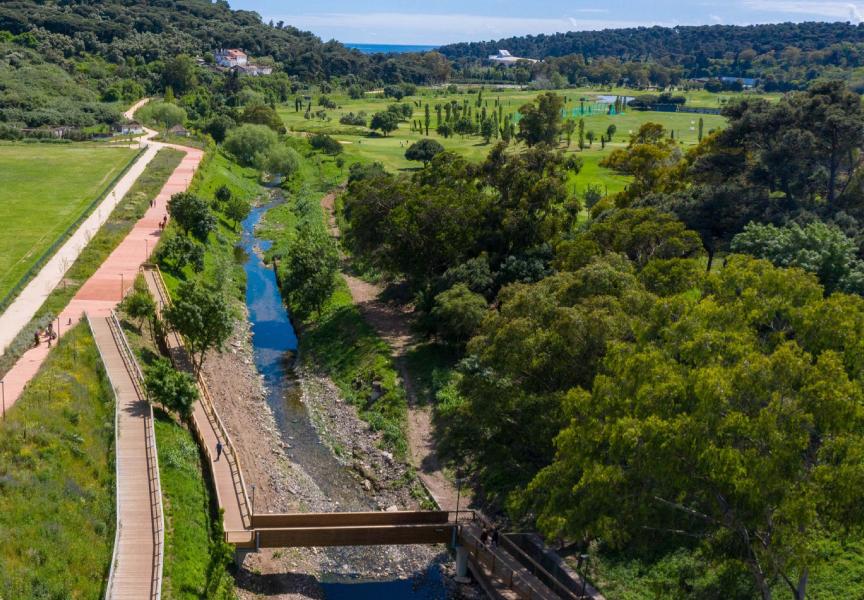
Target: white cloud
[
  {"x": 413, "y": 28},
  {"x": 715, "y": 18},
  {"x": 841, "y": 11}
]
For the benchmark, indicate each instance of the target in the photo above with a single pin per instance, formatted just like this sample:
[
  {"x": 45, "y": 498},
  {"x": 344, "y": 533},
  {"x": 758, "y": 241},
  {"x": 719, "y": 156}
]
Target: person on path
[
  {"x": 36, "y": 338},
  {"x": 218, "y": 450},
  {"x": 494, "y": 537},
  {"x": 484, "y": 536}
]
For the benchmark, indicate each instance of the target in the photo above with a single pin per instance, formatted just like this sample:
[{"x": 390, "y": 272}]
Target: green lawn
[
  {"x": 57, "y": 478},
  {"x": 45, "y": 188},
  {"x": 361, "y": 146},
  {"x": 103, "y": 243}
]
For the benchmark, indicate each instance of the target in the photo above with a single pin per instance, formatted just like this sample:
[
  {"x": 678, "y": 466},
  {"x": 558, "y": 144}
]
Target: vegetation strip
[{"x": 56, "y": 445}]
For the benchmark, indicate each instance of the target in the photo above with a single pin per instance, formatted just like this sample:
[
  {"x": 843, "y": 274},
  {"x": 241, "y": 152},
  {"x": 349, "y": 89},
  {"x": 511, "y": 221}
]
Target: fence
[
  {"x": 154, "y": 480},
  {"x": 208, "y": 406},
  {"x": 696, "y": 110},
  {"x": 61, "y": 239}
]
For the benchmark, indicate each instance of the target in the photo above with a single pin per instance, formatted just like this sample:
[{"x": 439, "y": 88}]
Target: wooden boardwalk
[
  {"x": 136, "y": 566},
  {"x": 230, "y": 488}
]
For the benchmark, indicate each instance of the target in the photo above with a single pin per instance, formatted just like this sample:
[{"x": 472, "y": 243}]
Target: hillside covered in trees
[
  {"x": 785, "y": 55},
  {"x": 64, "y": 63}
]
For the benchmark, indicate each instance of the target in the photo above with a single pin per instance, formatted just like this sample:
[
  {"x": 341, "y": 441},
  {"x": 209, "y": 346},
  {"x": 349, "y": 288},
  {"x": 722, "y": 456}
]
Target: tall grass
[{"x": 57, "y": 478}]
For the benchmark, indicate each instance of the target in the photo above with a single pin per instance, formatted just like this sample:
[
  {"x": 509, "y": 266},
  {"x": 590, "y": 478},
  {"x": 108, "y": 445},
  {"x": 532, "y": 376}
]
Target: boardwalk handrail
[
  {"x": 482, "y": 555},
  {"x": 209, "y": 407},
  {"x": 153, "y": 478},
  {"x": 117, "y": 523}
]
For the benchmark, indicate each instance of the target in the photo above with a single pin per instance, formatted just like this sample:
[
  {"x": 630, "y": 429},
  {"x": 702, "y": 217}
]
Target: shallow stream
[{"x": 275, "y": 344}]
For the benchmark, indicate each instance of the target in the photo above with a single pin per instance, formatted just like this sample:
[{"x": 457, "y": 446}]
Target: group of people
[
  {"x": 49, "y": 334},
  {"x": 490, "y": 536}
]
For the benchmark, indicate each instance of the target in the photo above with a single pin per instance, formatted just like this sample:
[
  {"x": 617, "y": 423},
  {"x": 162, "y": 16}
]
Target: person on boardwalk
[
  {"x": 494, "y": 537},
  {"x": 218, "y": 450},
  {"x": 484, "y": 536}
]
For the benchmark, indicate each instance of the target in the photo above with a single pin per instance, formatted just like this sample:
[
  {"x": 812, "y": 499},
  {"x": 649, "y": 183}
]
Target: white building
[
  {"x": 505, "y": 58},
  {"x": 231, "y": 58}
]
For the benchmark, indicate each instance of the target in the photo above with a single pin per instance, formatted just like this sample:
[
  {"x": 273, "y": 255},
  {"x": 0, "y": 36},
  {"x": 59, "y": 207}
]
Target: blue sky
[{"x": 443, "y": 21}]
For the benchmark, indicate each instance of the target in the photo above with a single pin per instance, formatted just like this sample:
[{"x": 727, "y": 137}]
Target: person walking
[
  {"x": 494, "y": 537},
  {"x": 36, "y": 338},
  {"x": 484, "y": 536},
  {"x": 218, "y": 450}
]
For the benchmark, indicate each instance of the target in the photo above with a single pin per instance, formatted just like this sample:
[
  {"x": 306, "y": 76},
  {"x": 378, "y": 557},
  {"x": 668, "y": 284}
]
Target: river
[{"x": 275, "y": 344}]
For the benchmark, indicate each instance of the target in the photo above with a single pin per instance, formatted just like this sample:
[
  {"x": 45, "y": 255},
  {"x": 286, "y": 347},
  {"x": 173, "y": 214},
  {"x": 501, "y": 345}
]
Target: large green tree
[
  {"x": 203, "y": 317},
  {"x": 731, "y": 418},
  {"x": 192, "y": 214},
  {"x": 250, "y": 141},
  {"x": 541, "y": 120},
  {"x": 545, "y": 339},
  {"x": 385, "y": 122},
  {"x": 424, "y": 150},
  {"x": 308, "y": 270},
  {"x": 175, "y": 390},
  {"x": 815, "y": 247}
]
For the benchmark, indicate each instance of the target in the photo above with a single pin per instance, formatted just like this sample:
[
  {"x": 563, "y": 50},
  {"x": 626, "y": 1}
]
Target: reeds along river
[{"x": 275, "y": 345}]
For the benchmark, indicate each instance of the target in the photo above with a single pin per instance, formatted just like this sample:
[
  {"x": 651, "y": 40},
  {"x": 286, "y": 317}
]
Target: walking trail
[
  {"x": 393, "y": 326},
  {"x": 105, "y": 288},
  {"x": 22, "y": 309},
  {"x": 136, "y": 565}
]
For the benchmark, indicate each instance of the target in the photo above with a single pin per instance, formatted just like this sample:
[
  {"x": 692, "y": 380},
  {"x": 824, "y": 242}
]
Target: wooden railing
[
  {"x": 117, "y": 523},
  {"x": 484, "y": 556},
  {"x": 237, "y": 480},
  {"x": 153, "y": 479}
]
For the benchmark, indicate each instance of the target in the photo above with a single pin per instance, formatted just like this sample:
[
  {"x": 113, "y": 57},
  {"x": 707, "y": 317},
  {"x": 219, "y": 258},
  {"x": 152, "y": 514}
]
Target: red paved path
[{"x": 102, "y": 291}]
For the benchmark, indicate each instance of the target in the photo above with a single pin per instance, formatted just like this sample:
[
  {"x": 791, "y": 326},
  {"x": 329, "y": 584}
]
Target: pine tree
[
  {"x": 701, "y": 126},
  {"x": 427, "y": 118},
  {"x": 581, "y": 134}
]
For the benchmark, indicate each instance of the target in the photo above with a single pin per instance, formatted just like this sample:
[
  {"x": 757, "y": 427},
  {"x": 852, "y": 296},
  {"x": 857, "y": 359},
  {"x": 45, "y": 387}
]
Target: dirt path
[{"x": 393, "y": 325}]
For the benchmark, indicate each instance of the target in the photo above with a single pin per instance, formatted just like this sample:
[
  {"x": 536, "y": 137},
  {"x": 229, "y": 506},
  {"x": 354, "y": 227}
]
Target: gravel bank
[{"x": 282, "y": 485}]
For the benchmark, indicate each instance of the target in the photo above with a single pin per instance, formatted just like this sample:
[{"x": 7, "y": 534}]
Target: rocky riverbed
[{"x": 270, "y": 463}]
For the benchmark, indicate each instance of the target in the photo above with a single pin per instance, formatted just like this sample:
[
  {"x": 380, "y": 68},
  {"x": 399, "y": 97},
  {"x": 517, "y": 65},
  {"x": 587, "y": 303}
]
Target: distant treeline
[
  {"x": 162, "y": 29},
  {"x": 783, "y": 56}
]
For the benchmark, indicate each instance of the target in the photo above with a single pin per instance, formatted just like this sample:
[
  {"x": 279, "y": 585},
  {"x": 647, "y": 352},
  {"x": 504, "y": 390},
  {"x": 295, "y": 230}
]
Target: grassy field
[
  {"x": 44, "y": 188},
  {"x": 390, "y": 150},
  {"x": 103, "y": 243},
  {"x": 57, "y": 478}
]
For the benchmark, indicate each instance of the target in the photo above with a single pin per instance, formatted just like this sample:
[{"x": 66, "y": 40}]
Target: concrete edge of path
[
  {"x": 103, "y": 290},
  {"x": 22, "y": 310}
]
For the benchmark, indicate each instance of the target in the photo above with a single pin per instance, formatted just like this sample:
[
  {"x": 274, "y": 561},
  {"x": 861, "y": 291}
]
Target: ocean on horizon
[{"x": 388, "y": 48}]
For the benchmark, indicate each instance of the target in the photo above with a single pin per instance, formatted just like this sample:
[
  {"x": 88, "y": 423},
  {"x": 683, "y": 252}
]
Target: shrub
[
  {"x": 458, "y": 313},
  {"x": 352, "y": 119},
  {"x": 325, "y": 143}
]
